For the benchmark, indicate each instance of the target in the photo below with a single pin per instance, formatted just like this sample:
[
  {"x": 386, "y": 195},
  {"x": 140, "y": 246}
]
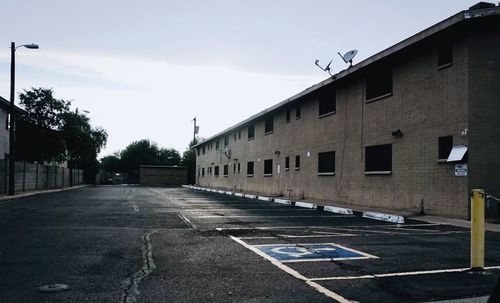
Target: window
[
  {"x": 326, "y": 163},
  {"x": 445, "y": 144},
  {"x": 297, "y": 162},
  {"x": 287, "y": 163},
  {"x": 298, "y": 112},
  {"x": 251, "y": 132},
  {"x": 445, "y": 55},
  {"x": 216, "y": 171},
  {"x": 210, "y": 170},
  {"x": 287, "y": 118},
  {"x": 235, "y": 136},
  {"x": 239, "y": 134},
  {"x": 226, "y": 141},
  {"x": 203, "y": 171},
  {"x": 250, "y": 169},
  {"x": 234, "y": 168},
  {"x": 198, "y": 151},
  {"x": 203, "y": 149},
  {"x": 268, "y": 167},
  {"x": 269, "y": 125},
  {"x": 378, "y": 159},
  {"x": 238, "y": 168},
  {"x": 379, "y": 84},
  {"x": 327, "y": 102},
  {"x": 226, "y": 170},
  {"x": 217, "y": 144}
]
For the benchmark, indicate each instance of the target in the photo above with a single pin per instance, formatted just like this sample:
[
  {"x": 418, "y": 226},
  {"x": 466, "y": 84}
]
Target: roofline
[
  {"x": 6, "y": 104},
  {"x": 424, "y": 34}
]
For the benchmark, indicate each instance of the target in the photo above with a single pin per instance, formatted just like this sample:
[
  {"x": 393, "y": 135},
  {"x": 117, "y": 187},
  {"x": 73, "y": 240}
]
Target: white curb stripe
[
  {"x": 263, "y": 198},
  {"x": 383, "y": 217},
  {"x": 338, "y": 210},
  {"x": 239, "y": 194},
  {"x": 306, "y": 205},
  {"x": 250, "y": 196},
  {"x": 283, "y": 201},
  {"x": 229, "y": 193}
]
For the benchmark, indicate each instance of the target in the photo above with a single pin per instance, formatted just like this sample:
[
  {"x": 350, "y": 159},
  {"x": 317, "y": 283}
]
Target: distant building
[
  {"x": 412, "y": 128},
  {"x": 159, "y": 175},
  {"x": 4, "y": 126}
]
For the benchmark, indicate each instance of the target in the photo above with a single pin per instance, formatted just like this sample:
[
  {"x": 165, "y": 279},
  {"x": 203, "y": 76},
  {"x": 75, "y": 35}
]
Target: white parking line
[
  {"x": 268, "y": 217},
  {"x": 293, "y": 273},
  {"x": 400, "y": 274}
]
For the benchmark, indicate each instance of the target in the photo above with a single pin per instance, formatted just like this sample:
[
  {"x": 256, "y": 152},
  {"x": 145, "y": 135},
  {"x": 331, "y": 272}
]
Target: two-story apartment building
[{"x": 412, "y": 128}]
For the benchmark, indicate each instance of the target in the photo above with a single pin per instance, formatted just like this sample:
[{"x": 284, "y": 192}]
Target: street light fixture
[{"x": 12, "y": 124}]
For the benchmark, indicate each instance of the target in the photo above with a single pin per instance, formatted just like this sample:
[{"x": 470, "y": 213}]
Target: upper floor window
[
  {"x": 297, "y": 162},
  {"x": 287, "y": 115},
  {"x": 327, "y": 102},
  {"x": 378, "y": 84},
  {"x": 251, "y": 132},
  {"x": 239, "y": 134},
  {"x": 378, "y": 159},
  {"x": 203, "y": 149},
  {"x": 226, "y": 141},
  {"x": 445, "y": 55},
  {"x": 217, "y": 144},
  {"x": 269, "y": 125},
  {"x": 198, "y": 151},
  {"x": 326, "y": 163},
  {"x": 268, "y": 167},
  {"x": 298, "y": 112}
]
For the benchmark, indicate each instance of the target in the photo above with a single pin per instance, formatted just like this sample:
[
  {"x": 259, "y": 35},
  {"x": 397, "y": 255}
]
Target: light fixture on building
[{"x": 397, "y": 133}]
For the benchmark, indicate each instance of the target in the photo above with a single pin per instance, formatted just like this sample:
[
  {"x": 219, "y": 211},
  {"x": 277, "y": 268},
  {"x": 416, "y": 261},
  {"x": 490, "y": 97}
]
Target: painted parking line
[
  {"x": 312, "y": 252},
  {"x": 266, "y": 217},
  {"x": 314, "y": 227},
  {"x": 401, "y": 274}
]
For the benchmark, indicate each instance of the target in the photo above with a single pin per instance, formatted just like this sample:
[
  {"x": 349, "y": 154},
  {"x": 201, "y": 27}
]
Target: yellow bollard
[{"x": 477, "y": 229}]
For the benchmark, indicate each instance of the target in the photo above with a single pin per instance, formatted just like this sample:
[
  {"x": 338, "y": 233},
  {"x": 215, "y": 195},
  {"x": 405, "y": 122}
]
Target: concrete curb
[
  {"x": 304, "y": 204},
  {"x": 35, "y": 193}
]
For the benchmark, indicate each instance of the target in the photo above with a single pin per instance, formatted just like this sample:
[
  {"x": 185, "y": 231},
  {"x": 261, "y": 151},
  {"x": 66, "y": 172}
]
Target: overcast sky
[{"x": 144, "y": 69}]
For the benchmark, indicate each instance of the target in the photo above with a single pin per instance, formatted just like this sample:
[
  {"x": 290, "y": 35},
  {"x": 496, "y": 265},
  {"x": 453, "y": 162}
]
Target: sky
[{"x": 145, "y": 69}]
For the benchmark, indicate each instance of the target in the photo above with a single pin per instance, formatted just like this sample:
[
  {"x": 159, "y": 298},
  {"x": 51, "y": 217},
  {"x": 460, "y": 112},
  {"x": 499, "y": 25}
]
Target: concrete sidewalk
[{"x": 39, "y": 192}]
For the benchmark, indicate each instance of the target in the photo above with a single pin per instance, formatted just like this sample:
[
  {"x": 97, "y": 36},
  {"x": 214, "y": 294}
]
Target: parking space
[{"x": 348, "y": 258}]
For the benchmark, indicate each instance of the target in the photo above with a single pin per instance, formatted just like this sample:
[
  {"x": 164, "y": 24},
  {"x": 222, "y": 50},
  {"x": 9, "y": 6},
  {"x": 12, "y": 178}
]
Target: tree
[
  {"x": 110, "y": 163},
  {"x": 43, "y": 109},
  {"x": 189, "y": 160}
]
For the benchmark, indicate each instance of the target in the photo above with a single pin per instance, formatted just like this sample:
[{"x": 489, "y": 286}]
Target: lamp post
[{"x": 12, "y": 124}]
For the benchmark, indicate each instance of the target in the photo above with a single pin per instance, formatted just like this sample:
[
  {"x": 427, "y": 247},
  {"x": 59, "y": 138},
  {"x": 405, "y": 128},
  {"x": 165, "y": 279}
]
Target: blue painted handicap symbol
[{"x": 311, "y": 252}]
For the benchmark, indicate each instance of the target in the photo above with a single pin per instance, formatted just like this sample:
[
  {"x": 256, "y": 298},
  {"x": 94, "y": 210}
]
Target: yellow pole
[{"x": 477, "y": 229}]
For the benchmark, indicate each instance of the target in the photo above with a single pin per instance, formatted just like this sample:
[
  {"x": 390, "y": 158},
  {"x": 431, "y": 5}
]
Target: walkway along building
[{"x": 412, "y": 128}]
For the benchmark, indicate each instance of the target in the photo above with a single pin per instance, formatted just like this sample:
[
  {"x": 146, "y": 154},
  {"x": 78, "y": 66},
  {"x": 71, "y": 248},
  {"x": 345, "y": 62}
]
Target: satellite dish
[{"x": 347, "y": 57}]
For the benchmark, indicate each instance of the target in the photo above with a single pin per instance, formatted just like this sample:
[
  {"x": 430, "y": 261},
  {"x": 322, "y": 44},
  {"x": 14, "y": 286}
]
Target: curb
[
  {"x": 304, "y": 204},
  {"x": 35, "y": 193}
]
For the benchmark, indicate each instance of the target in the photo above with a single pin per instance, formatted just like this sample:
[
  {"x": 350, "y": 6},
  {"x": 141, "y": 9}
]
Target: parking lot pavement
[{"x": 348, "y": 258}]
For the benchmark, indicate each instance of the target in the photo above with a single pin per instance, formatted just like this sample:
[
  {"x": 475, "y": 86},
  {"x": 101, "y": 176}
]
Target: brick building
[{"x": 412, "y": 128}]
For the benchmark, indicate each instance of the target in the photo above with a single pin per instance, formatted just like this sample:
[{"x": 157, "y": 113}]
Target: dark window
[
  {"x": 251, "y": 132},
  {"x": 203, "y": 149},
  {"x": 7, "y": 121},
  {"x": 226, "y": 170},
  {"x": 249, "y": 168},
  {"x": 326, "y": 162},
  {"x": 238, "y": 168},
  {"x": 445, "y": 144},
  {"x": 234, "y": 168},
  {"x": 226, "y": 141},
  {"x": 287, "y": 163},
  {"x": 198, "y": 151},
  {"x": 216, "y": 171},
  {"x": 217, "y": 144},
  {"x": 378, "y": 158},
  {"x": 210, "y": 170},
  {"x": 288, "y": 115},
  {"x": 268, "y": 167},
  {"x": 297, "y": 162},
  {"x": 269, "y": 125},
  {"x": 298, "y": 112},
  {"x": 239, "y": 134},
  {"x": 379, "y": 83},
  {"x": 203, "y": 171},
  {"x": 234, "y": 136},
  {"x": 445, "y": 55},
  {"x": 327, "y": 102}
]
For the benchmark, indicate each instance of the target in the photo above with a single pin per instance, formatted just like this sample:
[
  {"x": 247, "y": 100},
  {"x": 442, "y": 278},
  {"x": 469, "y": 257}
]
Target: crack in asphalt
[{"x": 131, "y": 284}]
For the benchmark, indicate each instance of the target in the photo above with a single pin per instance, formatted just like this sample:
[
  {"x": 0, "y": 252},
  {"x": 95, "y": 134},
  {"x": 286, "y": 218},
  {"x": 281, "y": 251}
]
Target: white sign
[{"x": 461, "y": 170}]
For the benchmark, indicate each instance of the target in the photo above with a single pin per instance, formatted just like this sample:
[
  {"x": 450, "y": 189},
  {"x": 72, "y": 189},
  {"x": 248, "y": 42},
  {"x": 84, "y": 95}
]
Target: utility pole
[
  {"x": 195, "y": 130},
  {"x": 12, "y": 124}
]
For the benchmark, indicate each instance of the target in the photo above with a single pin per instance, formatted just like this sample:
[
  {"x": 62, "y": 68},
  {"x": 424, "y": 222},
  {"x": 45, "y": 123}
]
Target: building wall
[
  {"x": 4, "y": 133},
  {"x": 162, "y": 175},
  {"x": 427, "y": 102},
  {"x": 484, "y": 94}
]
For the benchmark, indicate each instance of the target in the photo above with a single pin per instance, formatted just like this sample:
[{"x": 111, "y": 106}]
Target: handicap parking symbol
[{"x": 311, "y": 252}]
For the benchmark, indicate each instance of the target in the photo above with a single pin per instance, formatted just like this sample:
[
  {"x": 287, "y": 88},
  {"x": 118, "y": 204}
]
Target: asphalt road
[{"x": 138, "y": 244}]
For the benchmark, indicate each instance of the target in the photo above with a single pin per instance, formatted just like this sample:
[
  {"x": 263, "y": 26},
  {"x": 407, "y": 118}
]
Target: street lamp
[{"x": 12, "y": 134}]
